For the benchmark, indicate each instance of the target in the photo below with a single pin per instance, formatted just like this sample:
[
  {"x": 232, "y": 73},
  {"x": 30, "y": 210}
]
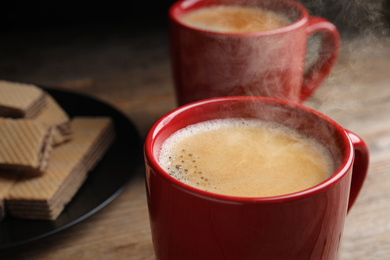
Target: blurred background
[
  {"x": 27, "y": 15},
  {"x": 350, "y": 16}
]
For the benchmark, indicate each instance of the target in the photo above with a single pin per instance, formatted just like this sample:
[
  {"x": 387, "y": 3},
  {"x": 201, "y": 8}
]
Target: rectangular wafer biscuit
[
  {"x": 54, "y": 116},
  {"x": 19, "y": 100},
  {"x": 45, "y": 196},
  {"x": 25, "y": 145}
]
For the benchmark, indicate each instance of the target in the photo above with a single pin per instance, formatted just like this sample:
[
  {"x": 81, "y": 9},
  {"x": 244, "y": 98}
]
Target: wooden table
[{"x": 129, "y": 67}]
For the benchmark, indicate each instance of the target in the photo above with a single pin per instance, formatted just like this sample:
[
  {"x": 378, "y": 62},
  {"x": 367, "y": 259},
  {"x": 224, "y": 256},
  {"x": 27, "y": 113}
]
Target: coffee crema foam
[
  {"x": 245, "y": 158},
  {"x": 236, "y": 19}
]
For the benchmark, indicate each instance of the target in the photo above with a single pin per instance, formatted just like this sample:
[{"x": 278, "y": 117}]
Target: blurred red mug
[
  {"x": 189, "y": 223},
  {"x": 268, "y": 63}
]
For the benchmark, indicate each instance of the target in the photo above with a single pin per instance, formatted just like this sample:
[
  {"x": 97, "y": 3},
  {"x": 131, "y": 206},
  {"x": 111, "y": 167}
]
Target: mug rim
[
  {"x": 345, "y": 164},
  {"x": 181, "y": 5}
]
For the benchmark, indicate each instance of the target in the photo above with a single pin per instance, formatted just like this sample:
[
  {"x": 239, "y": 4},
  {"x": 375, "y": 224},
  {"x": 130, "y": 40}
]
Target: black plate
[{"x": 104, "y": 183}]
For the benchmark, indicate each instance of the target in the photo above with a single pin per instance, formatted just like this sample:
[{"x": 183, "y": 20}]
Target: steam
[
  {"x": 362, "y": 25},
  {"x": 364, "y": 28},
  {"x": 357, "y": 66},
  {"x": 359, "y": 22},
  {"x": 353, "y": 18}
]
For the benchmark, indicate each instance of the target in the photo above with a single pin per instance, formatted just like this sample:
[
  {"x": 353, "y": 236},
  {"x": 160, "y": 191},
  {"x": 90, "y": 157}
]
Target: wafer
[
  {"x": 45, "y": 196},
  {"x": 7, "y": 181},
  {"x": 25, "y": 145},
  {"x": 54, "y": 116},
  {"x": 19, "y": 100}
]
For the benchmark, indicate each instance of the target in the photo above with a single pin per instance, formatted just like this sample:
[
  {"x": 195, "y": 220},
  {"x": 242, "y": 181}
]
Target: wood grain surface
[{"x": 128, "y": 67}]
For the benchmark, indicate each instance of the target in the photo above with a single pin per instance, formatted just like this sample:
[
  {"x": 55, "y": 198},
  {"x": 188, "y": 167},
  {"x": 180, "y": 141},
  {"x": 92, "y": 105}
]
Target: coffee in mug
[
  {"x": 266, "y": 58},
  {"x": 246, "y": 158},
  {"x": 236, "y": 19},
  {"x": 190, "y": 223}
]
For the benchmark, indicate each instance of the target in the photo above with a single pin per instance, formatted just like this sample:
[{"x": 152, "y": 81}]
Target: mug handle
[
  {"x": 328, "y": 53},
  {"x": 360, "y": 166}
]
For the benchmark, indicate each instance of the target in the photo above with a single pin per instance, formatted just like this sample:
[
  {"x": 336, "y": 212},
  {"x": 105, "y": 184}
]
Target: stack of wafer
[
  {"x": 31, "y": 122},
  {"x": 44, "y": 155},
  {"x": 44, "y": 196}
]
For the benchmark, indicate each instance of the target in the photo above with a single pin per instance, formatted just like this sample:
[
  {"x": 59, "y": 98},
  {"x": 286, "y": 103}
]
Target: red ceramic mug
[
  {"x": 267, "y": 63},
  {"x": 188, "y": 223}
]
